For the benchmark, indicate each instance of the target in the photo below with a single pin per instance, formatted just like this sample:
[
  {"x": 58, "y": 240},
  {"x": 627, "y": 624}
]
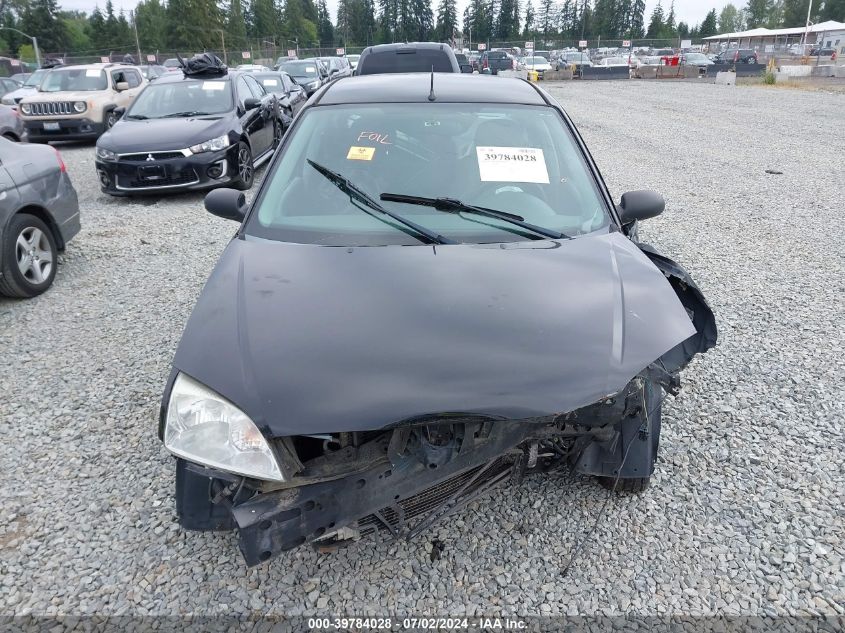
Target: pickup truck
[{"x": 494, "y": 61}]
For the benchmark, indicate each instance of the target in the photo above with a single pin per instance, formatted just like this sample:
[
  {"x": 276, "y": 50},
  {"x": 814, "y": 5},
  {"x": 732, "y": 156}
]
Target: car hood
[
  {"x": 311, "y": 339},
  {"x": 63, "y": 95},
  {"x": 161, "y": 134}
]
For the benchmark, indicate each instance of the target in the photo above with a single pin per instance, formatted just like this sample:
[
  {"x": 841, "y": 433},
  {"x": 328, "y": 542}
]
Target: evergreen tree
[
  {"x": 504, "y": 23},
  {"x": 77, "y": 28},
  {"x": 325, "y": 28},
  {"x": 758, "y": 12},
  {"x": 265, "y": 20},
  {"x": 97, "y": 29},
  {"x": 730, "y": 20},
  {"x": 236, "y": 37},
  {"x": 447, "y": 20},
  {"x": 528, "y": 31},
  {"x": 422, "y": 19},
  {"x": 669, "y": 26},
  {"x": 545, "y": 18},
  {"x": 604, "y": 15},
  {"x": 41, "y": 18},
  {"x": 637, "y": 21},
  {"x": 193, "y": 25},
  {"x": 657, "y": 23},
  {"x": 833, "y": 10},
  {"x": 708, "y": 26},
  {"x": 296, "y": 25},
  {"x": 151, "y": 21}
]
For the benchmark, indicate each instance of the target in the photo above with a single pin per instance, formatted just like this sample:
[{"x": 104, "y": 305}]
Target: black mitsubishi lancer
[
  {"x": 431, "y": 296},
  {"x": 194, "y": 129}
]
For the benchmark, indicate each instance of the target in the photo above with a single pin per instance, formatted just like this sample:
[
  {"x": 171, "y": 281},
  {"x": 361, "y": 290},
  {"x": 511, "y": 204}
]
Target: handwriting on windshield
[{"x": 374, "y": 137}]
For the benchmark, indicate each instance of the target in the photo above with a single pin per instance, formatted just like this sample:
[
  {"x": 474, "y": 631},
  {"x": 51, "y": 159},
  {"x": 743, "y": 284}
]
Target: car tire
[
  {"x": 29, "y": 257},
  {"x": 245, "y": 167},
  {"x": 625, "y": 486},
  {"x": 11, "y": 137},
  {"x": 111, "y": 119},
  {"x": 278, "y": 133}
]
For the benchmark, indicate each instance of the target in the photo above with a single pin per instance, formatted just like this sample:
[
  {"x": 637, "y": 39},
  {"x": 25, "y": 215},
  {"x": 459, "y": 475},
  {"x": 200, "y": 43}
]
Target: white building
[{"x": 828, "y": 34}]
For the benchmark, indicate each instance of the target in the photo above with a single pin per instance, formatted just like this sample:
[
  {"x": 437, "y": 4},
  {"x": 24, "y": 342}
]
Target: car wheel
[
  {"x": 626, "y": 486},
  {"x": 111, "y": 119},
  {"x": 277, "y": 135},
  {"x": 29, "y": 257},
  {"x": 11, "y": 137},
  {"x": 246, "y": 169}
]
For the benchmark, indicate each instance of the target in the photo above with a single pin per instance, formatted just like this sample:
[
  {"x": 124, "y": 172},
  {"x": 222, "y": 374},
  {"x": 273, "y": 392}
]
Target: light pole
[
  {"x": 806, "y": 28},
  {"x": 34, "y": 42}
]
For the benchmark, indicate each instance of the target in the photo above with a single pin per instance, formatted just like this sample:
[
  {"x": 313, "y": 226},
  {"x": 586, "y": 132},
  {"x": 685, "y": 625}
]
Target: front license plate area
[
  {"x": 151, "y": 173},
  {"x": 51, "y": 126}
]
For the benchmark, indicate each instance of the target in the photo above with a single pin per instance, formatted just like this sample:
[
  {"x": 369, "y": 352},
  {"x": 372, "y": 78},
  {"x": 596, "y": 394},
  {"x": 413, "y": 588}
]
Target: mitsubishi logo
[{"x": 150, "y": 157}]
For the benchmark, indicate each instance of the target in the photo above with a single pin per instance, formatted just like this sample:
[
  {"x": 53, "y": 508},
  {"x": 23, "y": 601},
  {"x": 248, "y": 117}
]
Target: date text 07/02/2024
[{"x": 421, "y": 623}]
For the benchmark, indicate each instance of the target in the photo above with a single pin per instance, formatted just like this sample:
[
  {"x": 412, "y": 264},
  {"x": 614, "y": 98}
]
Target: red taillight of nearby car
[{"x": 62, "y": 167}]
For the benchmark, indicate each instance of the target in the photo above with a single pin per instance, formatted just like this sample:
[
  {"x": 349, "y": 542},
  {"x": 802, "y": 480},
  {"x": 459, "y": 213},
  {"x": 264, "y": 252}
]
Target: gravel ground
[{"x": 745, "y": 514}]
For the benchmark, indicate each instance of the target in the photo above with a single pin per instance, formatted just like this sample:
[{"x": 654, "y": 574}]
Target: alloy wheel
[{"x": 34, "y": 255}]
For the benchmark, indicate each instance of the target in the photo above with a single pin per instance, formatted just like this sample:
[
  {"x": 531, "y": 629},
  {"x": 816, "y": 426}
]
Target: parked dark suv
[
  {"x": 415, "y": 57},
  {"x": 737, "y": 56},
  {"x": 494, "y": 61}
]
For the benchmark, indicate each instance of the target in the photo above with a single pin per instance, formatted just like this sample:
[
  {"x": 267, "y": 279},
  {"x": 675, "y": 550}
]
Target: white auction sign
[
  {"x": 626, "y": 43},
  {"x": 291, "y": 52},
  {"x": 151, "y": 58},
  {"x": 246, "y": 54},
  {"x": 529, "y": 46},
  {"x": 105, "y": 60},
  {"x": 686, "y": 43},
  {"x": 482, "y": 47},
  {"x": 341, "y": 51},
  {"x": 582, "y": 44}
]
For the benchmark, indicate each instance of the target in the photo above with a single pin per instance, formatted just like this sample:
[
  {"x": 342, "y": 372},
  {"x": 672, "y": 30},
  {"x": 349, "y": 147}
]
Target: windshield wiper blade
[
  {"x": 136, "y": 117},
  {"x": 456, "y": 206},
  {"x": 356, "y": 194},
  {"x": 173, "y": 115}
]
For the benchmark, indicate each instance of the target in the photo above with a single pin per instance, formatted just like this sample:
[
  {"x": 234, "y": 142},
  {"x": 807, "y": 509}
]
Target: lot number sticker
[
  {"x": 512, "y": 164},
  {"x": 214, "y": 85},
  {"x": 360, "y": 153}
]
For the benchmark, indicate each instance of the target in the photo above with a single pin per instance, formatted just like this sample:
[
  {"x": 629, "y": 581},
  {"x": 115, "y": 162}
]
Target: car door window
[
  {"x": 243, "y": 91},
  {"x": 133, "y": 78},
  {"x": 286, "y": 83}
]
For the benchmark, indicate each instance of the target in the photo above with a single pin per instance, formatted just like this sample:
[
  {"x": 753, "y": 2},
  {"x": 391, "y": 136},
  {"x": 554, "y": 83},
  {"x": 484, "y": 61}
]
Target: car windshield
[
  {"x": 272, "y": 82},
  {"x": 35, "y": 79},
  {"x": 536, "y": 60},
  {"x": 301, "y": 70},
  {"x": 513, "y": 158},
  {"x": 696, "y": 57},
  {"x": 77, "y": 79},
  {"x": 191, "y": 97},
  {"x": 576, "y": 57}
]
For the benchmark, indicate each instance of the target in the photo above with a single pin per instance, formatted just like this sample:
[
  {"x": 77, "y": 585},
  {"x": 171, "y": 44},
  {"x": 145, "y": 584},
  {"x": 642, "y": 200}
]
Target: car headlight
[
  {"x": 205, "y": 428},
  {"x": 8, "y": 100},
  {"x": 314, "y": 85},
  {"x": 215, "y": 144},
  {"x": 105, "y": 154},
  {"x": 80, "y": 106},
  {"x": 25, "y": 108}
]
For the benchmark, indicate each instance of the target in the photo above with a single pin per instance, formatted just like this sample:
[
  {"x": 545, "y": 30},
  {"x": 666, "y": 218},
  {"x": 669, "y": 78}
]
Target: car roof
[
  {"x": 171, "y": 77},
  {"x": 392, "y": 48},
  {"x": 415, "y": 88}
]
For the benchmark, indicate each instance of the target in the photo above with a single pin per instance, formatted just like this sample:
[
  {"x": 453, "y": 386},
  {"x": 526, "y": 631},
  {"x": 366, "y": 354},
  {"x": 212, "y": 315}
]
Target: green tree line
[{"x": 192, "y": 25}]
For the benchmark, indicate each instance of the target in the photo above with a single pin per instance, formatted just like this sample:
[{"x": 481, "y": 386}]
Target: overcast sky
[{"x": 690, "y": 11}]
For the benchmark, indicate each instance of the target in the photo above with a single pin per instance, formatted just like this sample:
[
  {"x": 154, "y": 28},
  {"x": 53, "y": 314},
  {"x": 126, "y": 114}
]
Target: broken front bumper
[{"x": 403, "y": 497}]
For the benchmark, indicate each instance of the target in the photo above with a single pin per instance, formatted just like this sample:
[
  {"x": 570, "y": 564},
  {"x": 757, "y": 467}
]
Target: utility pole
[
  {"x": 806, "y": 27},
  {"x": 137, "y": 41},
  {"x": 34, "y": 42}
]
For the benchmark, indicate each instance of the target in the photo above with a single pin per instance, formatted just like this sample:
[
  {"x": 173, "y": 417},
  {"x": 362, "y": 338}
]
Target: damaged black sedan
[{"x": 431, "y": 295}]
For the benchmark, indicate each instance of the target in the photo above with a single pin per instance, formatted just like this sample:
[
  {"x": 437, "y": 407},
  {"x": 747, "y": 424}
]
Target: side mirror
[
  {"x": 119, "y": 112},
  {"x": 333, "y": 71},
  {"x": 640, "y": 205},
  {"x": 120, "y": 86},
  {"x": 251, "y": 103},
  {"x": 226, "y": 203},
  {"x": 466, "y": 68}
]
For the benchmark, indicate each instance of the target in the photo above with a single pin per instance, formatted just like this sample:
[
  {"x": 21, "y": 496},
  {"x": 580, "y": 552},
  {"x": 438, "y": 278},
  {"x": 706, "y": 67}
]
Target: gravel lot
[{"x": 745, "y": 514}]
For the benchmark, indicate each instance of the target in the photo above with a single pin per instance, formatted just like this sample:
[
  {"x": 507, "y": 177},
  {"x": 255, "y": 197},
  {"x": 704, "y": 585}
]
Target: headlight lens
[
  {"x": 25, "y": 108},
  {"x": 205, "y": 428},
  {"x": 7, "y": 100},
  {"x": 80, "y": 106},
  {"x": 215, "y": 144},
  {"x": 105, "y": 154}
]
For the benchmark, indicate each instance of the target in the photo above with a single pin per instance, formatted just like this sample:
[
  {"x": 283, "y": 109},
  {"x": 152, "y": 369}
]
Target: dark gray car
[
  {"x": 39, "y": 214},
  {"x": 11, "y": 126}
]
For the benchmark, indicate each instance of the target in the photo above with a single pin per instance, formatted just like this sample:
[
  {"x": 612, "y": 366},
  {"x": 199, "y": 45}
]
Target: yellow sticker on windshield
[{"x": 361, "y": 153}]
